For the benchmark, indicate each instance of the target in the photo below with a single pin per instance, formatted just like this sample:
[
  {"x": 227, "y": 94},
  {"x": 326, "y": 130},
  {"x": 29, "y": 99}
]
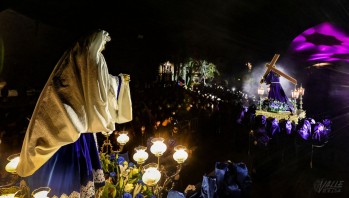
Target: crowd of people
[{"x": 215, "y": 123}]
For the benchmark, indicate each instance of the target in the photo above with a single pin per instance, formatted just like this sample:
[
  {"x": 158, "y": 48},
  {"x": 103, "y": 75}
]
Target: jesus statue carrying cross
[{"x": 272, "y": 77}]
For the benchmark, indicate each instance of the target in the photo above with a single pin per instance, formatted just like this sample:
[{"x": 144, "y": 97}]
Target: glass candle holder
[
  {"x": 123, "y": 138},
  {"x": 159, "y": 147},
  {"x": 141, "y": 155},
  {"x": 41, "y": 192},
  {"x": 181, "y": 154},
  {"x": 13, "y": 163},
  {"x": 151, "y": 175}
]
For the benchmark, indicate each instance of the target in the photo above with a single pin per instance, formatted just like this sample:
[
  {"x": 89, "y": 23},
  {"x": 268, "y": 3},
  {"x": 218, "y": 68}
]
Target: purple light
[
  {"x": 323, "y": 43},
  {"x": 323, "y": 48},
  {"x": 299, "y": 38},
  {"x": 309, "y": 31},
  {"x": 305, "y": 46}
]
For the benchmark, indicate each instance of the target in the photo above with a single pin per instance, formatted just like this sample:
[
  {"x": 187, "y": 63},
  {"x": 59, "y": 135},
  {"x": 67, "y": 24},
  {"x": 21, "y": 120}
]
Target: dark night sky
[{"x": 147, "y": 32}]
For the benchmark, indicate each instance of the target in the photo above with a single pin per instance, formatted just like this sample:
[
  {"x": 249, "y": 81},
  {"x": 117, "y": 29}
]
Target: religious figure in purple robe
[{"x": 276, "y": 92}]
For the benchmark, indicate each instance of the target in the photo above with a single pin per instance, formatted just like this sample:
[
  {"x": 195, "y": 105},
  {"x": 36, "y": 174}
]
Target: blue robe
[{"x": 74, "y": 170}]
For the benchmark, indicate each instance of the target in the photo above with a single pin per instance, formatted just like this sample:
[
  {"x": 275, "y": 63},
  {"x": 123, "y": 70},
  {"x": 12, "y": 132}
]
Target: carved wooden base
[{"x": 283, "y": 115}]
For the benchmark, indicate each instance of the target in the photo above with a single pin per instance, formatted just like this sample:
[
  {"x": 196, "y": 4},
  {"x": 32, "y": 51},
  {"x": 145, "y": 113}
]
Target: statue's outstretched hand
[
  {"x": 262, "y": 81},
  {"x": 126, "y": 77}
]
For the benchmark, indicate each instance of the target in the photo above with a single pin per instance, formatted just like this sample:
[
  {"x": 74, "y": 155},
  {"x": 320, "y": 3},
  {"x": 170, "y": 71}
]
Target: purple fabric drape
[
  {"x": 288, "y": 127},
  {"x": 274, "y": 129},
  {"x": 261, "y": 122},
  {"x": 305, "y": 130},
  {"x": 320, "y": 135},
  {"x": 276, "y": 91},
  {"x": 327, "y": 125}
]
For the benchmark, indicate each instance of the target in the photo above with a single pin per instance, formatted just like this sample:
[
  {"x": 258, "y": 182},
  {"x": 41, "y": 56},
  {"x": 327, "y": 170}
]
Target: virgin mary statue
[{"x": 79, "y": 99}]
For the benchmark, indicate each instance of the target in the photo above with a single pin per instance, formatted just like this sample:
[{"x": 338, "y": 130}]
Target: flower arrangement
[
  {"x": 274, "y": 106},
  {"x": 123, "y": 179}
]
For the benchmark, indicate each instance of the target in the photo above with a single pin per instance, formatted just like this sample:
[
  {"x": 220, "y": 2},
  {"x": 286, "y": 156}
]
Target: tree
[
  {"x": 201, "y": 70},
  {"x": 208, "y": 70}
]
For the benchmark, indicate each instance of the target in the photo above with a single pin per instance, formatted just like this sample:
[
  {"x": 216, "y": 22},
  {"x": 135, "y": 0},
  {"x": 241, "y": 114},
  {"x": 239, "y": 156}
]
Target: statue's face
[
  {"x": 106, "y": 35},
  {"x": 106, "y": 38}
]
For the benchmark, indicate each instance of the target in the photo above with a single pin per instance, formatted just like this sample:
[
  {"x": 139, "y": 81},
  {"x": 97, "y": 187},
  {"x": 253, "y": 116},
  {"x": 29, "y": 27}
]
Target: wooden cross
[{"x": 271, "y": 67}]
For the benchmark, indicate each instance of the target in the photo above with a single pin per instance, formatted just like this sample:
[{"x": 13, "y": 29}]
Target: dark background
[{"x": 146, "y": 33}]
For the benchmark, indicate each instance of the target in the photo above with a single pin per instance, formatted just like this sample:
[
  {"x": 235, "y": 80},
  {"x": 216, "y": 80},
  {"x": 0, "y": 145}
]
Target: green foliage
[
  {"x": 205, "y": 69},
  {"x": 121, "y": 177},
  {"x": 274, "y": 106}
]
